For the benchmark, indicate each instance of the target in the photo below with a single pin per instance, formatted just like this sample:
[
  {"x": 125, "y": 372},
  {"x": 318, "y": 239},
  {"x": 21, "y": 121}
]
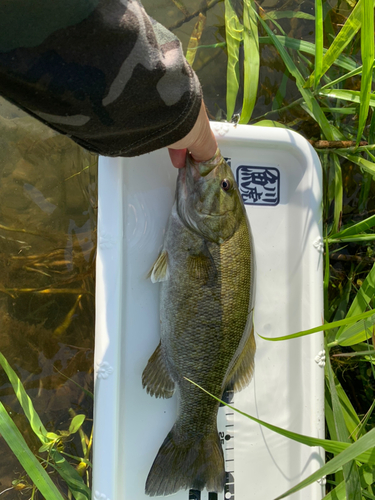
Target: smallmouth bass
[{"x": 206, "y": 270}]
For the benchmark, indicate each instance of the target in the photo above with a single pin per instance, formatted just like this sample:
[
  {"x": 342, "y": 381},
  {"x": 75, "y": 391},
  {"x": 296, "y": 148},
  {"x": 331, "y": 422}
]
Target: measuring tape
[{"x": 225, "y": 426}]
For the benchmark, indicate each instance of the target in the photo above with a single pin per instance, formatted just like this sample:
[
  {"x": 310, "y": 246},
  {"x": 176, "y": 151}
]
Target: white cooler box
[{"x": 279, "y": 176}]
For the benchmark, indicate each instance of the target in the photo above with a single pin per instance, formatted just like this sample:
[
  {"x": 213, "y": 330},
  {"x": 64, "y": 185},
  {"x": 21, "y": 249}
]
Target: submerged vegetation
[
  {"x": 303, "y": 65},
  {"x": 47, "y": 262}
]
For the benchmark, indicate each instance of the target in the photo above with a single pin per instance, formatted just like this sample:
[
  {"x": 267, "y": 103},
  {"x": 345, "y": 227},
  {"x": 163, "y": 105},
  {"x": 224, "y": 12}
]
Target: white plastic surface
[{"x": 135, "y": 198}]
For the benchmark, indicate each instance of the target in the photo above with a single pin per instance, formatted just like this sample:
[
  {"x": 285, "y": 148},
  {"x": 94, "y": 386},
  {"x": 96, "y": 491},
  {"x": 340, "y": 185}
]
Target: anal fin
[{"x": 155, "y": 378}]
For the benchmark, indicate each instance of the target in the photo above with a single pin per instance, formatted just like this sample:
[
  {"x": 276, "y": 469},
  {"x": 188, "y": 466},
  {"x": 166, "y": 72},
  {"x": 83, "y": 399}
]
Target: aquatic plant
[{"x": 51, "y": 444}]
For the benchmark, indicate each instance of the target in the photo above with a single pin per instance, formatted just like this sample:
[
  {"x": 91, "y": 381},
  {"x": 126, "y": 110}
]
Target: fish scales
[{"x": 206, "y": 302}]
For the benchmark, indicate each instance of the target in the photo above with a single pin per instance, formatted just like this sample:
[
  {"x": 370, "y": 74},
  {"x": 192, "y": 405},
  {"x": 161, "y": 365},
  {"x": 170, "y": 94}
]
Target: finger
[{"x": 178, "y": 157}]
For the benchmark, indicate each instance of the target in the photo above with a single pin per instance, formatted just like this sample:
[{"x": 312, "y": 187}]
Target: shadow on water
[{"x": 47, "y": 281}]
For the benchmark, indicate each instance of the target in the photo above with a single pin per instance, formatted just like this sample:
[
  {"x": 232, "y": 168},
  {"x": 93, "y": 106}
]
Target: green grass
[{"x": 51, "y": 445}]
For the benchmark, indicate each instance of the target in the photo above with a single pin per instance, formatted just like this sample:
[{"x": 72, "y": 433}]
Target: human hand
[{"x": 200, "y": 141}]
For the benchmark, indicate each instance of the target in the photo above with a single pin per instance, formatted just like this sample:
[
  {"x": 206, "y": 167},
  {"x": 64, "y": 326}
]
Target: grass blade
[
  {"x": 74, "y": 481},
  {"x": 195, "y": 37},
  {"x": 330, "y": 132},
  {"x": 69, "y": 474},
  {"x": 336, "y": 447},
  {"x": 26, "y": 403},
  {"x": 346, "y": 95},
  {"x": 360, "y": 303},
  {"x": 234, "y": 36},
  {"x": 342, "y": 61},
  {"x": 350, "y": 470},
  {"x": 17, "y": 444},
  {"x": 351, "y": 453},
  {"x": 318, "y": 41},
  {"x": 367, "y": 53},
  {"x": 342, "y": 78},
  {"x": 251, "y": 60},
  {"x": 338, "y": 193},
  {"x": 354, "y": 230},
  {"x": 367, "y": 165},
  {"x": 328, "y": 326},
  {"x": 289, "y": 14},
  {"x": 346, "y": 34},
  {"x": 356, "y": 333}
]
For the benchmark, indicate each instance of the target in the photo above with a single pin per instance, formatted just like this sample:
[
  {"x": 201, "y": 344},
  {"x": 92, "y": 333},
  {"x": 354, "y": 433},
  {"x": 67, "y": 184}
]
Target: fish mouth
[{"x": 213, "y": 214}]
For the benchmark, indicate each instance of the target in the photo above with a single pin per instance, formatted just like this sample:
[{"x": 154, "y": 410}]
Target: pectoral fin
[
  {"x": 200, "y": 266},
  {"x": 155, "y": 378},
  {"x": 159, "y": 271},
  {"x": 242, "y": 372}
]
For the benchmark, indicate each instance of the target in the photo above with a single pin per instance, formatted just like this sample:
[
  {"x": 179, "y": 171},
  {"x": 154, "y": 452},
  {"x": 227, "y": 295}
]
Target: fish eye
[{"x": 226, "y": 184}]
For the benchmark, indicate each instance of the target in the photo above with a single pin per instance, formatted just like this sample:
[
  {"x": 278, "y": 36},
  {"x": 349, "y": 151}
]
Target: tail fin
[{"x": 193, "y": 464}]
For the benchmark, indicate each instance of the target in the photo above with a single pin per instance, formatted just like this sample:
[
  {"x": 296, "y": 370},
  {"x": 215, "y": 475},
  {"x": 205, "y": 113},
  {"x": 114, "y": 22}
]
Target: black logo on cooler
[{"x": 259, "y": 185}]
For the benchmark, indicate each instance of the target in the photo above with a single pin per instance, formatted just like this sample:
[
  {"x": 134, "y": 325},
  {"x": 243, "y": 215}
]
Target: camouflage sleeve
[{"x": 100, "y": 71}]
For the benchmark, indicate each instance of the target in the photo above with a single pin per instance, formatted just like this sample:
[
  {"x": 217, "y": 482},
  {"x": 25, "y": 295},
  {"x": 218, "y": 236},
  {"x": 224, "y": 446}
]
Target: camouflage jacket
[{"x": 100, "y": 71}]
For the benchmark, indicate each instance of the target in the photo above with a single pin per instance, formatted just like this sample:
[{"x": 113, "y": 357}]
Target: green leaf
[
  {"x": 328, "y": 326},
  {"x": 356, "y": 333},
  {"x": 344, "y": 37},
  {"x": 346, "y": 95},
  {"x": 358, "y": 238},
  {"x": 251, "y": 60},
  {"x": 367, "y": 165},
  {"x": 76, "y": 423},
  {"x": 318, "y": 41},
  {"x": 74, "y": 481},
  {"x": 351, "y": 418},
  {"x": 25, "y": 401},
  {"x": 70, "y": 475},
  {"x": 366, "y": 442},
  {"x": 289, "y": 14},
  {"x": 367, "y": 457},
  {"x": 350, "y": 470},
  {"x": 338, "y": 193},
  {"x": 338, "y": 493},
  {"x": 342, "y": 61},
  {"x": 367, "y": 53},
  {"x": 342, "y": 78},
  {"x": 330, "y": 132},
  {"x": 234, "y": 36},
  {"x": 17, "y": 444},
  {"x": 355, "y": 229},
  {"x": 359, "y": 305},
  {"x": 270, "y": 123}
]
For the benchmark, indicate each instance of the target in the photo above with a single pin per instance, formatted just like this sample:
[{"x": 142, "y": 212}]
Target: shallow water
[{"x": 47, "y": 261}]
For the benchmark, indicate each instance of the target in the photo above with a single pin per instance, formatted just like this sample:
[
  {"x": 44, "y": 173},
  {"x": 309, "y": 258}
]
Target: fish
[{"x": 206, "y": 271}]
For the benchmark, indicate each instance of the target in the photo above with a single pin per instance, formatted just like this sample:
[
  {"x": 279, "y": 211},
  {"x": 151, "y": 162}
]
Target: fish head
[{"x": 208, "y": 200}]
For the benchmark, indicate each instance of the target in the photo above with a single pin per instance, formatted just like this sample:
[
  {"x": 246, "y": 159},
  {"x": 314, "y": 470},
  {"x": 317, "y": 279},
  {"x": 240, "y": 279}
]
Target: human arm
[
  {"x": 107, "y": 75},
  {"x": 200, "y": 142}
]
